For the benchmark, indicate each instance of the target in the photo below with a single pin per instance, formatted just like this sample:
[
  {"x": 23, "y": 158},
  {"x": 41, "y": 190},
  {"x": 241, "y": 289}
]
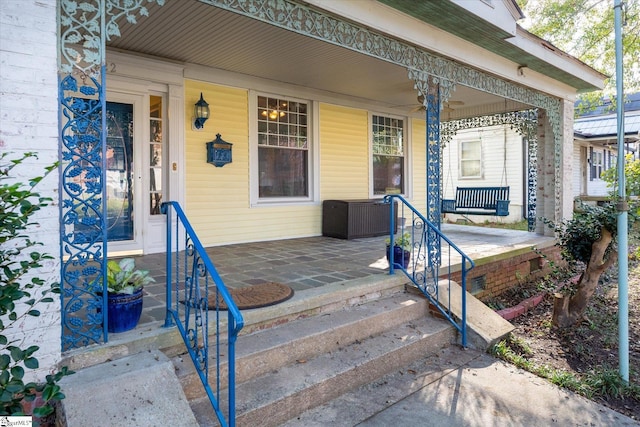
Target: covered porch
[
  {"x": 308, "y": 265},
  {"x": 329, "y": 101}
]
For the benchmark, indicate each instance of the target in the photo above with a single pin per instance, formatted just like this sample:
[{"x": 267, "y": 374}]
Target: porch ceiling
[{"x": 193, "y": 32}]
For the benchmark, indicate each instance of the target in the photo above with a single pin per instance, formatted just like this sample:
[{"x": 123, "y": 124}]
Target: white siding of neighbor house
[
  {"x": 576, "y": 177},
  {"x": 596, "y": 187},
  {"x": 493, "y": 167},
  {"x": 29, "y": 122}
]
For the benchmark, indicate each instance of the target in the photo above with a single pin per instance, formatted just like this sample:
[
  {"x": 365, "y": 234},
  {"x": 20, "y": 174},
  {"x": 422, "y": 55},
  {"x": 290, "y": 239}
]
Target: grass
[{"x": 604, "y": 382}]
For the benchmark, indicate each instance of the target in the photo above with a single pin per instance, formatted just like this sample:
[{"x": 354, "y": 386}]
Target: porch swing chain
[
  {"x": 503, "y": 181},
  {"x": 449, "y": 177}
]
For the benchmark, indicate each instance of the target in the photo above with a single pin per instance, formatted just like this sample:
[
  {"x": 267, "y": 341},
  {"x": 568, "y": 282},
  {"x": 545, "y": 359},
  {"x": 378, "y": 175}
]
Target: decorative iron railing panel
[
  {"x": 196, "y": 297},
  {"x": 430, "y": 274},
  {"x": 434, "y": 180},
  {"x": 83, "y": 28},
  {"x": 82, "y": 175}
]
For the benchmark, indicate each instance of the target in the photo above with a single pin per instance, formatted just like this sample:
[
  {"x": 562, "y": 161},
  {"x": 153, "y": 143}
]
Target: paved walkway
[
  {"x": 312, "y": 262},
  {"x": 461, "y": 388}
]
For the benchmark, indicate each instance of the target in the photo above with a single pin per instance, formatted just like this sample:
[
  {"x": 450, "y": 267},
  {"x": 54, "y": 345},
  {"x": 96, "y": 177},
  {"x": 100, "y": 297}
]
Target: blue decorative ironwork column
[
  {"x": 83, "y": 29},
  {"x": 435, "y": 91},
  {"x": 434, "y": 195},
  {"x": 81, "y": 68}
]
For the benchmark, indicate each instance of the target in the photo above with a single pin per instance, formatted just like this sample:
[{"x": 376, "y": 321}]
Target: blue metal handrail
[
  {"x": 422, "y": 260},
  {"x": 190, "y": 310}
]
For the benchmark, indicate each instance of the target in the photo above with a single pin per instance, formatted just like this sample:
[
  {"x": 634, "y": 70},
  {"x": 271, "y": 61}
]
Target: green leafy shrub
[
  {"x": 20, "y": 293},
  {"x": 576, "y": 236},
  {"x": 631, "y": 177}
]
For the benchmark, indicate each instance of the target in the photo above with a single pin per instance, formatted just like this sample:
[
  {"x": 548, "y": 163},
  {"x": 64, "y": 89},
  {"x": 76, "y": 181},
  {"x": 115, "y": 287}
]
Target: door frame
[{"x": 136, "y": 75}]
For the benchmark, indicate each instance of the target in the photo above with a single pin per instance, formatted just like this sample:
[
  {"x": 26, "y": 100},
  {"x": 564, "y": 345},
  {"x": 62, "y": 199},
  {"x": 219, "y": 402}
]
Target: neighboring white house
[{"x": 595, "y": 146}]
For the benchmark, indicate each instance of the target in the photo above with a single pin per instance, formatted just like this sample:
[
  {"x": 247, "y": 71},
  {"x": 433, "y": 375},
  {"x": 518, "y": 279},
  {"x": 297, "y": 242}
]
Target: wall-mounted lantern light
[{"x": 201, "y": 113}]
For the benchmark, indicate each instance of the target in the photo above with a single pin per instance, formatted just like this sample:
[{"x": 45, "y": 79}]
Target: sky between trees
[{"x": 585, "y": 29}]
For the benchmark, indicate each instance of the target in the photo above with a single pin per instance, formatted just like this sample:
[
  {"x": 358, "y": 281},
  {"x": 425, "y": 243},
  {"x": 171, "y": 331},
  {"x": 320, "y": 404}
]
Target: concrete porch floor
[{"x": 313, "y": 262}]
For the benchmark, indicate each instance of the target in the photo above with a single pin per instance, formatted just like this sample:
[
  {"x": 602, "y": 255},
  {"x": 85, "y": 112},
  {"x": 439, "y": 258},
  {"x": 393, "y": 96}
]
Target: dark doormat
[{"x": 255, "y": 296}]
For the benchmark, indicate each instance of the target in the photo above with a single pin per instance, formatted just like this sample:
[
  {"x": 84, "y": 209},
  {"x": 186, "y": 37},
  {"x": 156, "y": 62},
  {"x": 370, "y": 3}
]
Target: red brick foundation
[{"x": 503, "y": 274}]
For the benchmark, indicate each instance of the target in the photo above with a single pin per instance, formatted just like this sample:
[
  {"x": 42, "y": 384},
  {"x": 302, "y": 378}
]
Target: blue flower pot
[
  {"x": 400, "y": 256},
  {"x": 124, "y": 311}
]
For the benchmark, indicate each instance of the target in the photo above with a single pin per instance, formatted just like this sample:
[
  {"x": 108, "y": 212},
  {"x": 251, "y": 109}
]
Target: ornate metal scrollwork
[
  {"x": 196, "y": 312},
  {"x": 83, "y": 28},
  {"x": 82, "y": 232}
]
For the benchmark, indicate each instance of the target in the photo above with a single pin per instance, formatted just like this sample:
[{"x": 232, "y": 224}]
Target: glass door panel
[
  {"x": 155, "y": 154},
  {"x": 120, "y": 164}
]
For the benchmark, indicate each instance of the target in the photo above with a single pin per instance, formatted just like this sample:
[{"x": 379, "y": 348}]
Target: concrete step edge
[
  {"x": 278, "y": 396},
  {"x": 266, "y": 350},
  {"x": 359, "y": 404}
]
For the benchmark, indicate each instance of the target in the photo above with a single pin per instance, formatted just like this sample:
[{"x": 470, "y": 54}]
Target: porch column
[
  {"x": 546, "y": 173},
  {"x": 566, "y": 170},
  {"x": 435, "y": 91},
  {"x": 83, "y": 29},
  {"x": 83, "y": 231},
  {"x": 555, "y": 156}
]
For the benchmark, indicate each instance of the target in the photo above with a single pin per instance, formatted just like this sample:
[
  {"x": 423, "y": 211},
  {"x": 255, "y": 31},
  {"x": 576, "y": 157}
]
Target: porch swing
[{"x": 481, "y": 200}]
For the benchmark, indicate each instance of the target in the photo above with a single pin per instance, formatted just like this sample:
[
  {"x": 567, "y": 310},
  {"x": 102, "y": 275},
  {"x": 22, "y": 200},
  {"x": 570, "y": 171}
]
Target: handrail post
[
  {"x": 463, "y": 321},
  {"x": 232, "y": 336},
  {"x": 168, "y": 318},
  {"x": 391, "y": 252}
]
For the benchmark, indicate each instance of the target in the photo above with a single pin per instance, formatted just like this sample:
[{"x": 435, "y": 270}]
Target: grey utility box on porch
[{"x": 350, "y": 219}]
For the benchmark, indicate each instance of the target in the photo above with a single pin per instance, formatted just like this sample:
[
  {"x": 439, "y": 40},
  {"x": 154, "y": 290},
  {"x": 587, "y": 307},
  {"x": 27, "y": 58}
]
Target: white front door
[{"x": 135, "y": 144}]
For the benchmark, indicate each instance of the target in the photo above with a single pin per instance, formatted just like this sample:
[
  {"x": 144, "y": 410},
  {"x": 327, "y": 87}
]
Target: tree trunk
[{"x": 569, "y": 310}]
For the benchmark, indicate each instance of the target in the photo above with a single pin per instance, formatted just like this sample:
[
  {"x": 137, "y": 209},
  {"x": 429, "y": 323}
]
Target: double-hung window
[
  {"x": 471, "y": 159},
  {"x": 596, "y": 164},
  {"x": 389, "y": 152},
  {"x": 284, "y": 157}
]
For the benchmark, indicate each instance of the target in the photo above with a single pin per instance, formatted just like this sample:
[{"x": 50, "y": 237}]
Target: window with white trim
[
  {"x": 283, "y": 148},
  {"x": 597, "y": 163},
  {"x": 471, "y": 159},
  {"x": 389, "y": 152}
]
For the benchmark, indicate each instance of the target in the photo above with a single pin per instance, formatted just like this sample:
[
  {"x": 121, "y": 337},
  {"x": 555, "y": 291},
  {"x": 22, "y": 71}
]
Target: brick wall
[
  {"x": 504, "y": 274},
  {"x": 29, "y": 122}
]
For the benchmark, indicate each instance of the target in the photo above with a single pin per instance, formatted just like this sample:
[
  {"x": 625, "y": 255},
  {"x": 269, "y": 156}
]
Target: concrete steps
[
  {"x": 359, "y": 405},
  {"x": 329, "y": 348}
]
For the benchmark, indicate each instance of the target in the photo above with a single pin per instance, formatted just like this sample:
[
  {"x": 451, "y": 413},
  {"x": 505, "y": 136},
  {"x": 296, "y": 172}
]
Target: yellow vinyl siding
[
  {"x": 212, "y": 193},
  {"x": 418, "y": 160},
  {"x": 217, "y": 198},
  {"x": 344, "y": 153}
]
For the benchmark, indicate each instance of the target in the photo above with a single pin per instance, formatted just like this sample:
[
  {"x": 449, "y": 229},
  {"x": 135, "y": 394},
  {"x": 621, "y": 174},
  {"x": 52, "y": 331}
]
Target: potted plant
[
  {"x": 401, "y": 249},
  {"x": 124, "y": 299}
]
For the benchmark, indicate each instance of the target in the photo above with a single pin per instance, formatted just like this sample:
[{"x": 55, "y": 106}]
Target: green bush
[
  {"x": 576, "y": 236},
  {"x": 631, "y": 177},
  {"x": 20, "y": 292}
]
